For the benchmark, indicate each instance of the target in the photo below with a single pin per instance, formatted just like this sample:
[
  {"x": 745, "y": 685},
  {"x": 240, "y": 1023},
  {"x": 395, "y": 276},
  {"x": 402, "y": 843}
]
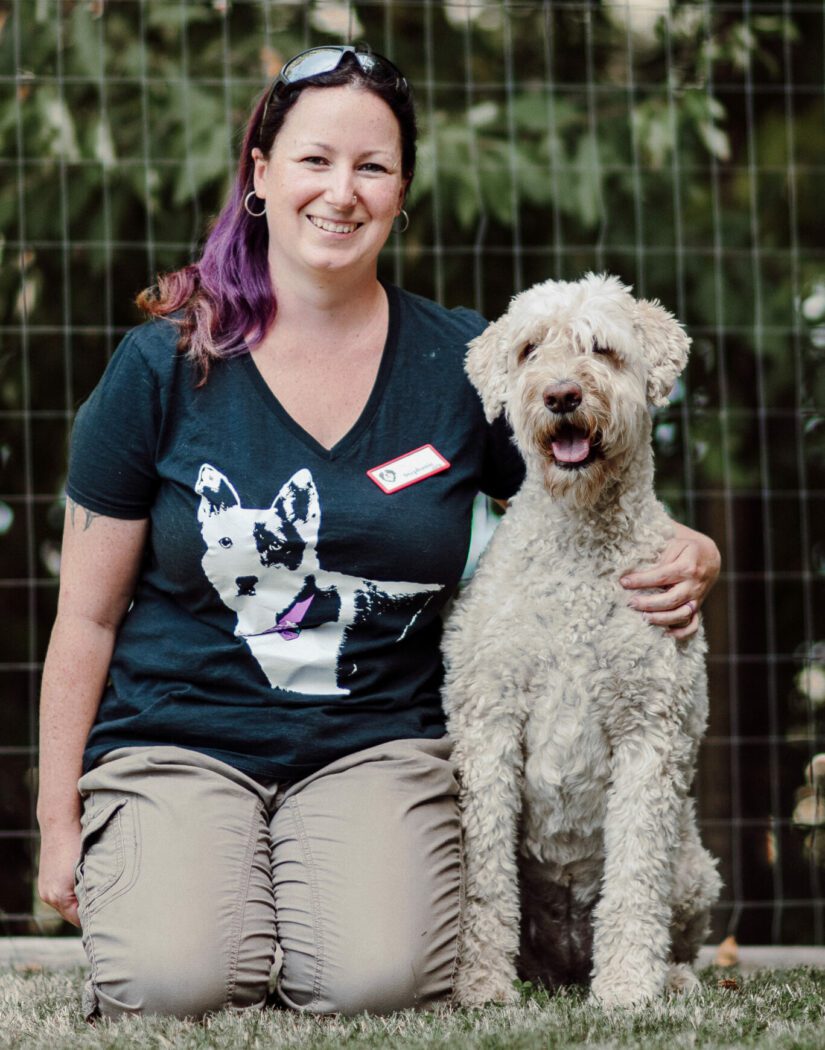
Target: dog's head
[
  {"x": 575, "y": 365},
  {"x": 256, "y": 559}
]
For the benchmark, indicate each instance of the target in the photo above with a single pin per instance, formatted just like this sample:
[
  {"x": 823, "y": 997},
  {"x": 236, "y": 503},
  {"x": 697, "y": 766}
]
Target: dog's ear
[
  {"x": 215, "y": 491},
  {"x": 486, "y": 365},
  {"x": 297, "y": 504},
  {"x": 665, "y": 346}
]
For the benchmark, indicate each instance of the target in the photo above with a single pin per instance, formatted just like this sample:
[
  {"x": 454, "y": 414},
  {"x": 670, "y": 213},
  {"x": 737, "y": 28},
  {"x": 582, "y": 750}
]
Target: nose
[
  {"x": 245, "y": 585},
  {"x": 340, "y": 190},
  {"x": 563, "y": 397}
]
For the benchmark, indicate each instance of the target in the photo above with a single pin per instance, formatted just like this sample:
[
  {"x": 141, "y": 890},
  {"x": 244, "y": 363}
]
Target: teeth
[{"x": 333, "y": 227}]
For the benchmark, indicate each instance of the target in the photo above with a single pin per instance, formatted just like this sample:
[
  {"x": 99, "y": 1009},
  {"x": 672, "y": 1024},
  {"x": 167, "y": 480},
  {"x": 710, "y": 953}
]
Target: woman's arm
[
  {"x": 98, "y": 568},
  {"x": 685, "y": 573}
]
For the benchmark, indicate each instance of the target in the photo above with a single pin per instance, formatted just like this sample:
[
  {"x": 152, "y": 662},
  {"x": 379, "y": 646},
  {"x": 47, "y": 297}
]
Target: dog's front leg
[
  {"x": 631, "y": 936},
  {"x": 489, "y": 759}
]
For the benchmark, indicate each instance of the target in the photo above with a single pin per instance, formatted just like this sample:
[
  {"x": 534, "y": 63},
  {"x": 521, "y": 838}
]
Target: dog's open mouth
[
  {"x": 289, "y": 624},
  {"x": 573, "y": 447}
]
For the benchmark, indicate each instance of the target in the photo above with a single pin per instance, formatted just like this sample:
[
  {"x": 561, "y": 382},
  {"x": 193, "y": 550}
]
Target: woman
[{"x": 258, "y": 741}]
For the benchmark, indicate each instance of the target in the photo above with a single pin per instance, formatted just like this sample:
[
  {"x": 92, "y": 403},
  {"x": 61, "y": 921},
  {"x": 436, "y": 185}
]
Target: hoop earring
[
  {"x": 248, "y": 210},
  {"x": 406, "y": 221}
]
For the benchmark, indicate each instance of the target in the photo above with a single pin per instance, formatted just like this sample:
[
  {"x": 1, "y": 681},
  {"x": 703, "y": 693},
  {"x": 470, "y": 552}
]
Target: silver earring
[
  {"x": 406, "y": 222},
  {"x": 249, "y": 211}
]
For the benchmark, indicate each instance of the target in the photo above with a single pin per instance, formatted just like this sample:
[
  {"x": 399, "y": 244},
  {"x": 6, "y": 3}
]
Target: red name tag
[{"x": 408, "y": 469}]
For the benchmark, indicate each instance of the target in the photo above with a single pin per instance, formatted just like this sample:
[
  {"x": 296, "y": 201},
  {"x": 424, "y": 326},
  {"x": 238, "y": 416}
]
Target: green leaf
[
  {"x": 654, "y": 131},
  {"x": 104, "y": 147},
  {"x": 59, "y": 129},
  {"x": 715, "y": 139},
  {"x": 587, "y": 189},
  {"x": 84, "y": 36}
]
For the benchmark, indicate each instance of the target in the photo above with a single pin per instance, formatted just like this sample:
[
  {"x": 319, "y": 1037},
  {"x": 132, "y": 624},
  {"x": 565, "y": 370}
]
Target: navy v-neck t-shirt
[{"x": 287, "y": 611}]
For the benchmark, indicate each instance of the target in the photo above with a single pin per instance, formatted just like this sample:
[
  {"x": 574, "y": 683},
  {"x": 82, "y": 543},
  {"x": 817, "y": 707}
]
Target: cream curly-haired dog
[{"x": 576, "y": 723}]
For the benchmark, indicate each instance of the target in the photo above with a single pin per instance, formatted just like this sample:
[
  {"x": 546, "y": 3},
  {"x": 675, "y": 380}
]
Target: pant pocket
[{"x": 108, "y": 854}]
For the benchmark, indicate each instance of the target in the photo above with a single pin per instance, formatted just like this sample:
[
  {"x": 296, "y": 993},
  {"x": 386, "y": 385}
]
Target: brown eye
[
  {"x": 526, "y": 352},
  {"x": 603, "y": 350}
]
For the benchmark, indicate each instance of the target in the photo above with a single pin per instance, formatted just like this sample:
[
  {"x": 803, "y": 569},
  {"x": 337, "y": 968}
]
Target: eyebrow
[{"x": 329, "y": 149}]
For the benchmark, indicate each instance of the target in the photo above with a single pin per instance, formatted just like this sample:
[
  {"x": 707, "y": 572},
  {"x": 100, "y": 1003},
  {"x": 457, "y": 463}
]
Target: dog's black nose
[
  {"x": 246, "y": 584},
  {"x": 563, "y": 397}
]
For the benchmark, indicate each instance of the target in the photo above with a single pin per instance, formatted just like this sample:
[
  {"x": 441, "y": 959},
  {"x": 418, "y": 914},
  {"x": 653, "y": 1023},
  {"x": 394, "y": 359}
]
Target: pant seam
[
  {"x": 318, "y": 929},
  {"x": 89, "y": 947},
  {"x": 240, "y": 911},
  {"x": 462, "y": 903}
]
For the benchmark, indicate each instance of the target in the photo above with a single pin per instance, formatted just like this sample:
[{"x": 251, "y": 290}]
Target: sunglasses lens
[{"x": 311, "y": 63}]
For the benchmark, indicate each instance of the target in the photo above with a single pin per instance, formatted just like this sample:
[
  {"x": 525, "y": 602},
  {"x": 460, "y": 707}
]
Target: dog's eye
[
  {"x": 225, "y": 541},
  {"x": 526, "y": 352},
  {"x": 605, "y": 351}
]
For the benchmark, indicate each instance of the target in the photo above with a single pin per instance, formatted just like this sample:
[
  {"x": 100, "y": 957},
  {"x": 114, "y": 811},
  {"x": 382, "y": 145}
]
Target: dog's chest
[
  {"x": 590, "y": 660},
  {"x": 566, "y": 760}
]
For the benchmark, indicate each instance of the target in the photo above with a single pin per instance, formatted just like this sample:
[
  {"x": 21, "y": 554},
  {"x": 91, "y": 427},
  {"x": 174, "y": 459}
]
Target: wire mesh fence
[{"x": 678, "y": 145}]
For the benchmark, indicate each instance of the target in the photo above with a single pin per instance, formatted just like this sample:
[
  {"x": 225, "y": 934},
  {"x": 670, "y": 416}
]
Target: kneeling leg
[
  {"x": 367, "y": 875},
  {"x": 174, "y": 886}
]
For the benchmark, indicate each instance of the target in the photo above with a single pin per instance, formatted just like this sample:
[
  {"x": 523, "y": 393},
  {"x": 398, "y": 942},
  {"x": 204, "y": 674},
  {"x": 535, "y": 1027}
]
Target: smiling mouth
[
  {"x": 573, "y": 447},
  {"x": 333, "y": 227}
]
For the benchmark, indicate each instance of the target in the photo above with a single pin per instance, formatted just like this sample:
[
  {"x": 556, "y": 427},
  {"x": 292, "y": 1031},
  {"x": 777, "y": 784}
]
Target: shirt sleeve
[
  {"x": 112, "y": 451},
  {"x": 503, "y": 467}
]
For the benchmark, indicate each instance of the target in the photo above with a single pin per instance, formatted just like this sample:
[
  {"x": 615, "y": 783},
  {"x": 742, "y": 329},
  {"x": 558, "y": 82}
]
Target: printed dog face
[
  {"x": 575, "y": 365},
  {"x": 252, "y": 555},
  {"x": 292, "y": 614}
]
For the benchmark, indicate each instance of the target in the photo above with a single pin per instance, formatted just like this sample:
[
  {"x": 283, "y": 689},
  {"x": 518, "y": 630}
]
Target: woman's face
[{"x": 332, "y": 182}]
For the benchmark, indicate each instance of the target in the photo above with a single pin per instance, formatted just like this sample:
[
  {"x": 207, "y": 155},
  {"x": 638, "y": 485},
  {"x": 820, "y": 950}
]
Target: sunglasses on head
[{"x": 327, "y": 58}]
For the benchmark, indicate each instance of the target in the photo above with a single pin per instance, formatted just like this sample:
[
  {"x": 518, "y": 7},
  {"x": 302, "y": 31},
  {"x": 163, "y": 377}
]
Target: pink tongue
[{"x": 572, "y": 447}]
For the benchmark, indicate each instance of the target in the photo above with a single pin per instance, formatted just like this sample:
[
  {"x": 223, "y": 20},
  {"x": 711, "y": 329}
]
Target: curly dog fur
[{"x": 577, "y": 723}]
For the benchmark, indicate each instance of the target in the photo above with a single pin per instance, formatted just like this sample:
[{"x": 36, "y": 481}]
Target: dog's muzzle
[{"x": 572, "y": 446}]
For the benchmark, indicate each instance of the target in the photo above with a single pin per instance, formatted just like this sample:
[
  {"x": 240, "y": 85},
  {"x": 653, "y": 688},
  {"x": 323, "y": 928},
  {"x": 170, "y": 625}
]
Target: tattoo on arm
[{"x": 88, "y": 515}]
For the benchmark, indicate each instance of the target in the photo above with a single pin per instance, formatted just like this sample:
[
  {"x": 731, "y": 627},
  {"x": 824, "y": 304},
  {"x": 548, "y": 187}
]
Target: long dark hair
[{"x": 223, "y": 304}]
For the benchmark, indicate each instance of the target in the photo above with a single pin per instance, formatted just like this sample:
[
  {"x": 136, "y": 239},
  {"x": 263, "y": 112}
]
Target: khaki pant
[{"x": 191, "y": 872}]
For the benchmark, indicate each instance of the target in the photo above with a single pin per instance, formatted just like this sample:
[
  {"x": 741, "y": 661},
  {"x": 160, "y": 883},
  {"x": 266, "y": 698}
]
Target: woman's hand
[
  {"x": 684, "y": 575},
  {"x": 59, "y": 853}
]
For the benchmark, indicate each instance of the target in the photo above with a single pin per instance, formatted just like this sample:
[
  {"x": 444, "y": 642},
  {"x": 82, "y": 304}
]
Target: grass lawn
[{"x": 780, "y": 1010}]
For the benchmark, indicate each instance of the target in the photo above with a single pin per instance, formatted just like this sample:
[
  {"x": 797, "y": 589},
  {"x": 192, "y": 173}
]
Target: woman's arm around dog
[
  {"x": 685, "y": 573},
  {"x": 98, "y": 568}
]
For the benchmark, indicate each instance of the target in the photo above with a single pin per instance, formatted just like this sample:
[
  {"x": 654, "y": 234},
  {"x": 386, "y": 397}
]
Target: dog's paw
[
  {"x": 473, "y": 991},
  {"x": 620, "y": 992},
  {"x": 681, "y": 979}
]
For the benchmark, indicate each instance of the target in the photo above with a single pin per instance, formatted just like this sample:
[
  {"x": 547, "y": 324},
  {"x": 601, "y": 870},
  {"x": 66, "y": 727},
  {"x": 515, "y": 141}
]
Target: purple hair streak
[{"x": 224, "y": 302}]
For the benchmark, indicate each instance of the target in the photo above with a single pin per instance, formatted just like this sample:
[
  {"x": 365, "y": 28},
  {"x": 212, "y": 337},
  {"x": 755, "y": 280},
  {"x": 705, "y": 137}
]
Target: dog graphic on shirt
[{"x": 293, "y": 615}]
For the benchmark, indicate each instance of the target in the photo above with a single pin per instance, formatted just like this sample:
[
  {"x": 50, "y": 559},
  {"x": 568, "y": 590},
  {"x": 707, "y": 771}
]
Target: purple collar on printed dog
[{"x": 408, "y": 469}]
